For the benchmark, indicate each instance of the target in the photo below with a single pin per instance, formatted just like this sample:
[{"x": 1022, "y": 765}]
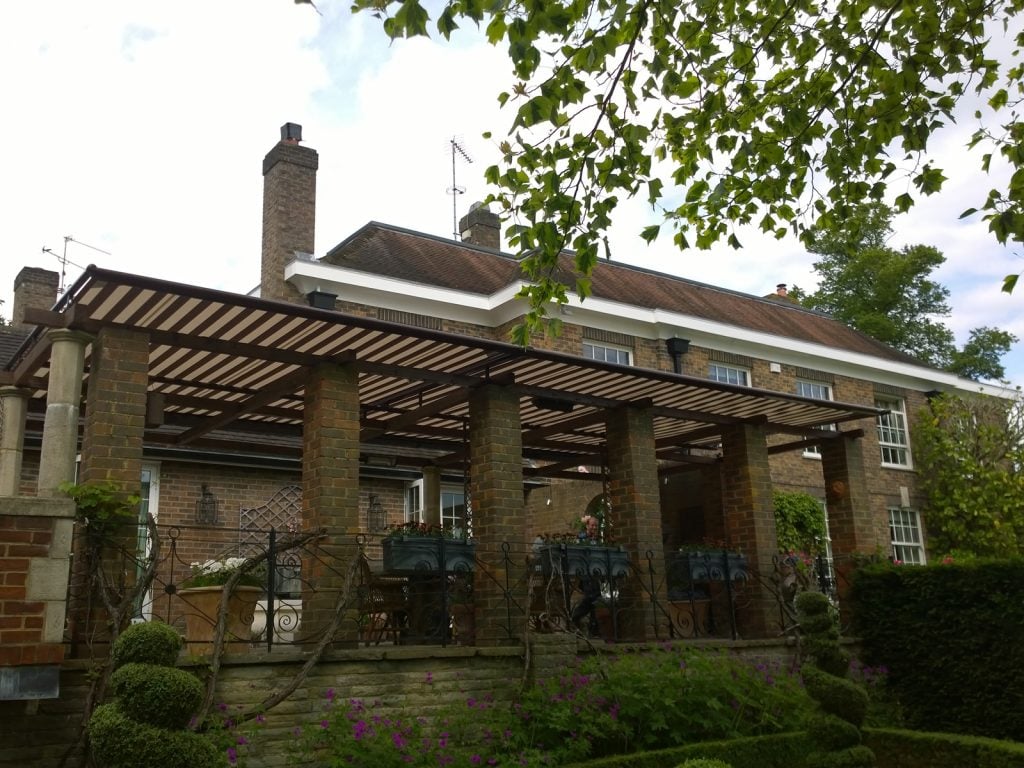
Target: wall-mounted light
[
  {"x": 677, "y": 347},
  {"x": 376, "y": 520},
  {"x": 206, "y": 507}
]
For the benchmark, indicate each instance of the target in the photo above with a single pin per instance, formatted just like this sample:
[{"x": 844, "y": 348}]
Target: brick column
[
  {"x": 115, "y": 410},
  {"x": 852, "y": 527},
  {"x": 330, "y": 492},
  {"x": 635, "y": 521},
  {"x": 115, "y": 416},
  {"x": 748, "y": 506},
  {"x": 432, "y": 495},
  {"x": 13, "y": 410},
  {"x": 499, "y": 510},
  {"x": 63, "y": 397}
]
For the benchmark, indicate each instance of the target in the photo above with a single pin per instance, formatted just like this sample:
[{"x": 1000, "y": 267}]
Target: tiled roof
[
  {"x": 398, "y": 253},
  {"x": 10, "y": 341}
]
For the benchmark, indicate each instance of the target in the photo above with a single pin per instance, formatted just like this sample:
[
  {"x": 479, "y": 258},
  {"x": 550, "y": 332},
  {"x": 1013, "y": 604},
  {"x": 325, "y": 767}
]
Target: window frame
[
  {"x": 729, "y": 368},
  {"x": 910, "y": 520},
  {"x": 900, "y": 413},
  {"x": 813, "y": 452},
  {"x": 602, "y": 345}
]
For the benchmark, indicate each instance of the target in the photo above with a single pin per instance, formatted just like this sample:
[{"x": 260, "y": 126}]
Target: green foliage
[
  {"x": 781, "y": 750},
  {"x": 102, "y": 505},
  {"x": 164, "y": 697},
  {"x": 819, "y": 632},
  {"x": 832, "y": 732},
  {"x": 836, "y": 695},
  {"x": 703, "y": 762},
  {"x": 950, "y": 638},
  {"x": 151, "y": 642},
  {"x": 969, "y": 451},
  {"x": 853, "y": 757},
  {"x": 916, "y": 749},
  {"x": 889, "y": 294},
  {"x": 121, "y": 742},
  {"x": 723, "y": 112},
  {"x": 799, "y": 522}
]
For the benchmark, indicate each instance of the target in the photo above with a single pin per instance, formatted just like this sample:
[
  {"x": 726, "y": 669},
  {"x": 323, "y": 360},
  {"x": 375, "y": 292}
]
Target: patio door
[{"x": 149, "y": 505}]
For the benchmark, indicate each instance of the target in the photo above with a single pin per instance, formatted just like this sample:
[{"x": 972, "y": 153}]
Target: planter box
[
  {"x": 423, "y": 554},
  {"x": 583, "y": 559},
  {"x": 686, "y": 567}
]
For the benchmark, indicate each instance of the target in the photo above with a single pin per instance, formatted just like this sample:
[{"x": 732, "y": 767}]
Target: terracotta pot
[{"x": 202, "y": 605}]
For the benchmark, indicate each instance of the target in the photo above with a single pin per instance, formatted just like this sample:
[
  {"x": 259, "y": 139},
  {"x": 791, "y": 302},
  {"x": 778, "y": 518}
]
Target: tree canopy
[
  {"x": 969, "y": 453},
  {"x": 890, "y": 295},
  {"x": 780, "y": 113}
]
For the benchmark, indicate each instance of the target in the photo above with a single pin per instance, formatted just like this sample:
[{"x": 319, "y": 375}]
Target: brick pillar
[
  {"x": 115, "y": 411},
  {"x": 330, "y": 492},
  {"x": 63, "y": 398},
  {"x": 33, "y": 288},
  {"x": 432, "y": 495},
  {"x": 13, "y": 410},
  {"x": 115, "y": 417},
  {"x": 289, "y": 210},
  {"x": 635, "y": 520},
  {"x": 748, "y": 506},
  {"x": 852, "y": 527},
  {"x": 499, "y": 510}
]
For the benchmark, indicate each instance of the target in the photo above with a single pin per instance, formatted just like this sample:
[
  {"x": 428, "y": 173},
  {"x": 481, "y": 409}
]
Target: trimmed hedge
[
  {"x": 162, "y": 696},
  {"x": 152, "y": 642},
  {"x": 914, "y": 749},
  {"x": 125, "y": 743},
  {"x": 950, "y": 636},
  {"x": 779, "y": 750}
]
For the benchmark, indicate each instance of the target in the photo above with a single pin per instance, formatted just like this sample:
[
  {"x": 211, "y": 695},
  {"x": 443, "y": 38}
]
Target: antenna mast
[
  {"x": 454, "y": 190},
  {"x": 63, "y": 258}
]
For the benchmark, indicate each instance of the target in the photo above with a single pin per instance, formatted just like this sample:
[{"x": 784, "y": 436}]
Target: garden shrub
[
  {"x": 162, "y": 696},
  {"x": 144, "y": 724},
  {"x": 837, "y": 696},
  {"x": 950, "y": 636},
  {"x": 831, "y": 732},
  {"x": 915, "y": 749},
  {"x": 703, "y": 762},
  {"x": 782, "y": 750}
]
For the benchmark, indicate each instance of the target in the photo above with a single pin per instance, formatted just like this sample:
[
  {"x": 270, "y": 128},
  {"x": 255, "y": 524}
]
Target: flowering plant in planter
[
  {"x": 426, "y": 530},
  {"x": 215, "y": 573}
]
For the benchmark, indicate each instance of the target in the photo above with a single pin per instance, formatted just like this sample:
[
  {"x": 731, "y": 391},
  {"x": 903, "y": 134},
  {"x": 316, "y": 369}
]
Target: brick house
[{"x": 374, "y": 385}]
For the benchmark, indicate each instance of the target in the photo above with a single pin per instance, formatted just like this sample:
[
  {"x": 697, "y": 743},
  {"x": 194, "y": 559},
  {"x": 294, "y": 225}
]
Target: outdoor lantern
[
  {"x": 206, "y": 507},
  {"x": 375, "y": 517}
]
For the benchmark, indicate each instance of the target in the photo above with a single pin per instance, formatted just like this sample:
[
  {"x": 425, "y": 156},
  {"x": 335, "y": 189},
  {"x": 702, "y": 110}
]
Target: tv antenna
[
  {"x": 63, "y": 258},
  {"x": 455, "y": 190}
]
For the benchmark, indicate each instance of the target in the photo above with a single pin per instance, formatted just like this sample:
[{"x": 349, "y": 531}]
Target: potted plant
[
  {"x": 203, "y": 592},
  {"x": 420, "y": 547},
  {"x": 586, "y": 551}
]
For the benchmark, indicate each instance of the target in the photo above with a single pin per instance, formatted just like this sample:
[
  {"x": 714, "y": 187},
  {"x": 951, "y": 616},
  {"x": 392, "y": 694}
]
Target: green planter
[
  {"x": 707, "y": 565},
  {"x": 424, "y": 554},
  {"x": 583, "y": 559}
]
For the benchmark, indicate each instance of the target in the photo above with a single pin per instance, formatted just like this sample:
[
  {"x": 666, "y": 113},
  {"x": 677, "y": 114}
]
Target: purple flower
[
  {"x": 398, "y": 740},
  {"x": 222, "y": 707},
  {"x": 430, "y": 677},
  {"x": 330, "y": 695},
  {"x": 242, "y": 741},
  {"x": 324, "y": 724},
  {"x": 232, "y": 756},
  {"x": 476, "y": 759}
]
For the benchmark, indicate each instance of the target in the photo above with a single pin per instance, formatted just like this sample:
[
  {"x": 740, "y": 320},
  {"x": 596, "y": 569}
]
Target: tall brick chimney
[
  {"x": 481, "y": 227},
  {"x": 289, "y": 210},
  {"x": 33, "y": 287}
]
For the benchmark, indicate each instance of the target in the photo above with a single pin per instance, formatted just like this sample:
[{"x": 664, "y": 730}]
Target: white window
[
  {"x": 607, "y": 353},
  {"x": 905, "y": 533},
  {"x": 819, "y": 391},
  {"x": 453, "y": 505},
  {"x": 149, "y": 504},
  {"x": 728, "y": 374},
  {"x": 892, "y": 433}
]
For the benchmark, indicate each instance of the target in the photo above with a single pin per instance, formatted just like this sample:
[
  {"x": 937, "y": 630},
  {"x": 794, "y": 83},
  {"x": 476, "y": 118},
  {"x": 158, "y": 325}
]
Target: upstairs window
[
  {"x": 893, "y": 439},
  {"x": 607, "y": 353},
  {"x": 819, "y": 391},
  {"x": 729, "y": 374}
]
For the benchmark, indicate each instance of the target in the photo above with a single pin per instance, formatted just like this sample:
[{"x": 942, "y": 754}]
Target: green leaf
[
  {"x": 650, "y": 234},
  {"x": 1009, "y": 283}
]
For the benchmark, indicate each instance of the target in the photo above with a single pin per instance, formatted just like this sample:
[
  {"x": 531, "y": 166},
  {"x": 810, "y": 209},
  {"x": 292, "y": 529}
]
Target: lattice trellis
[{"x": 282, "y": 511}]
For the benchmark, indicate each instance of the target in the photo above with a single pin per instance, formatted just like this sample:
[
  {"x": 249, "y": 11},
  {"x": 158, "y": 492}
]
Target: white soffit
[{"x": 502, "y": 307}]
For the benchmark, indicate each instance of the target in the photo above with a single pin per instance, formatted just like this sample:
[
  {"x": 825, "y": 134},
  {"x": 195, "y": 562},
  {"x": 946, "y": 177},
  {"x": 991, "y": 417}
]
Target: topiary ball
[
  {"x": 811, "y": 604},
  {"x": 152, "y": 642},
  {"x": 117, "y": 741},
  {"x": 837, "y": 696},
  {"x": 162, "y": 696}
]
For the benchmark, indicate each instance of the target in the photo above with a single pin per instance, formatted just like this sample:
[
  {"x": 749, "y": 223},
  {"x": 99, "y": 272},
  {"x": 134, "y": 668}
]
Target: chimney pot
[
  {"x": 781, "y": 289},
  {"x": 291, "y": 133}
]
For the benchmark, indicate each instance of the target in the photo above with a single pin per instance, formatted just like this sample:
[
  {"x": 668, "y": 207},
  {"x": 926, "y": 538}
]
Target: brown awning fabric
[{"x": 229, "y": 367}]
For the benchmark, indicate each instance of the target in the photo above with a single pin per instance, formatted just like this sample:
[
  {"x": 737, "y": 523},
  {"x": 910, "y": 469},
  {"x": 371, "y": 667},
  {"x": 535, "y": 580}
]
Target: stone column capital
[
  {"x": 66, "y": 334},
  {"x": 9, "y": 391}
]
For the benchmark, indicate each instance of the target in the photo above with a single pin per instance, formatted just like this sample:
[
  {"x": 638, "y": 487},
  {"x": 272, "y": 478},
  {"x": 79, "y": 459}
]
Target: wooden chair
[{"x": 383, "y": 606}]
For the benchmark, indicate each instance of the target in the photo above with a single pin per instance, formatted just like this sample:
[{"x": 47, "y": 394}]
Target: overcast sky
[{"x": 139, "y": 128}]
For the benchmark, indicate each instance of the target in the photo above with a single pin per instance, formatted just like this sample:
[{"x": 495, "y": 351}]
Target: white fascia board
[{"x": 502, "y": 306}]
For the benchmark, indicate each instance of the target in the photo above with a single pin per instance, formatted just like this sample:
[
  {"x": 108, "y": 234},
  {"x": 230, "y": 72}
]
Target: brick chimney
[
  {"x": 33, "y": 287},
  {"x": 481, "y": 227},
  {"x": 289, "y": 210}
]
